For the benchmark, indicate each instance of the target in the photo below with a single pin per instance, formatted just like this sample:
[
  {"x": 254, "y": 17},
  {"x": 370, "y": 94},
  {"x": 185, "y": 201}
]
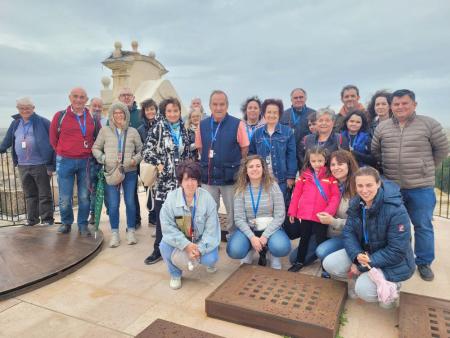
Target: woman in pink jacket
[{"x": 315, "y": 191}]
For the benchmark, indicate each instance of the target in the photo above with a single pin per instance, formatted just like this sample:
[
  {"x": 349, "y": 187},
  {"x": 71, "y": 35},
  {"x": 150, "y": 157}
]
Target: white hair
[
  {"x": 326, "y": 111},
  {"x": 24, "y": 101},
  {"x": 96, "y": 99}
]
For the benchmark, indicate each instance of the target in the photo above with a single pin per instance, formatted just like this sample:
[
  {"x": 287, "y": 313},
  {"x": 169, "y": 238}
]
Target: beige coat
[
  {"x": 335, "y": 228},
  {"x": 105, "y": 148},
  {"x": 409, "y": 156}
]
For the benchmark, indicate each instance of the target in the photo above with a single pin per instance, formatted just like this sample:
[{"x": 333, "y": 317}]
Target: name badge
[
  {"x": 86, "y": 144},
  {"x": 269, "y": 160},
  {"x": 211, "y": 153},
  {"x": 119, "y": 156},
  {"x": 24, "y": 144}
]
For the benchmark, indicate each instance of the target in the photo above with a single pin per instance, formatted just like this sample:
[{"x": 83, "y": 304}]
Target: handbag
[
  {"x": 117, "y": 174},
  {"x": 261, "y": 223},
  {"x": 149, "y": 172}
]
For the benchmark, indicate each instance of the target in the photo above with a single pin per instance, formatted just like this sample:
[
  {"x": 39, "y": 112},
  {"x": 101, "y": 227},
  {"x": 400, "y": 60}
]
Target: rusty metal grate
[
  {"x": 422, "y": 316},
  {"x": 165, "y": 329},
  {"x": 279, "y": 301}
]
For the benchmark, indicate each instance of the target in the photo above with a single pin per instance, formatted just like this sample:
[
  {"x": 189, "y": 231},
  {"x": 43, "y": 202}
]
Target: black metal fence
[{"x": 443, "y": 189}]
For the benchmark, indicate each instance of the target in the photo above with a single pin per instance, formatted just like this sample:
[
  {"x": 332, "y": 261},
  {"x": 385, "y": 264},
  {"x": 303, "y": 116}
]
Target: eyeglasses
[
  {"x": 126, "y": 95},
  {"x": 25, "y": 107}
]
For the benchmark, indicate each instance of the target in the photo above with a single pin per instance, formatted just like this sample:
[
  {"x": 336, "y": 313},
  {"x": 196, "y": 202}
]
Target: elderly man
[
  {"x": 350, "y": 99},
  {"x": 410, "y": 147},
  {"x": 31, "y": 151},
  {"x": 296, "y": 117},
  {"x": 222, "y": 141},
  {"x": 72, "y": 136},
  {"x": 126, "y": 96}
]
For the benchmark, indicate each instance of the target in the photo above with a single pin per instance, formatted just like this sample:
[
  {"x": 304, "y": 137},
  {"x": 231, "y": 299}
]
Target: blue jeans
[
  {"x": 420, "y": 203},
  {"x": 112, "y": 193},
  {"x": 329, "y": 246},
  {"x": 66, "y": 170},
  {"x": 166, "y": 250},
  {"x": 239, "y": 245}
]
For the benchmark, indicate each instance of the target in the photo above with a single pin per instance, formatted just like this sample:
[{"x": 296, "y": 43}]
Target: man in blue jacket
[{"x": 32, "y": 153}]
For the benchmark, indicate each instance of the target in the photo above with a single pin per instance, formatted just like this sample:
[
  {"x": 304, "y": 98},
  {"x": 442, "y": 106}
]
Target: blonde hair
[{"x": 242, "y": 181}]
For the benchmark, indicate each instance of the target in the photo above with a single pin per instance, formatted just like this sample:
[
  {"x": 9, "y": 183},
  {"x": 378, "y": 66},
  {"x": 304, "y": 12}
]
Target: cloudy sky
[{"x": 262, "y": 47}]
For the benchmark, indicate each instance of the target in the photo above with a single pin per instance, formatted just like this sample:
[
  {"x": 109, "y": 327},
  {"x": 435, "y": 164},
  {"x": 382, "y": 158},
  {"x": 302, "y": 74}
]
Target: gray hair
[
  {"x": 216, "y": 92},
  {"x": 326, "y": 111},
  {"x": 24, "y": 101},
  {"x": 118, "y": 105},
  {"x": 126, "y": 90},
  {"x": 298, "y": 89},
  {"x": 95, "y": 99}
]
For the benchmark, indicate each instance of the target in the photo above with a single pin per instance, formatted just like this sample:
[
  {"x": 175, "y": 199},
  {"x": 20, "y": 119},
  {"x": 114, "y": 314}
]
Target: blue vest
[{"x": 222, "y": 168}]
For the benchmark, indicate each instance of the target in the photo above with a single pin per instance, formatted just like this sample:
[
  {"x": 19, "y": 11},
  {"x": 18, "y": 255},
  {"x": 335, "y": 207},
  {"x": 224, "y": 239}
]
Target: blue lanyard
[
  {"x": 82, "y": 127},
  {"x": 194, "y": 208},
  {"x": 120, "y": 143},
  {"x": 268, "y": 143},
  {"x": 341, "y": 188},
  {"x": 365, "y": 232},
  {"x": 319, "y": 186},
  {"x": 250, "y": 131},
  {"x": 26, "y": 128},
  {"x": 176, "y": 138},
  {"x": 255, "y": 207},
  {"x": 352, "y": 143},
  {"x": 214, "y": 134},
  {"x": 294, "y": 116}
]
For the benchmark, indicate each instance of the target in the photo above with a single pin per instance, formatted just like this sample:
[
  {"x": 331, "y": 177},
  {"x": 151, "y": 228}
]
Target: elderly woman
[
  {"x": 377, "y": 234},
  {"x": 118, "y": 146},
  {"x": 190, "y": 225},
  {"x": 324, "y": 136},
  {"x": 259, "y": 213},
  {"x": 379, "y": 109},
  {"x": 275, "y": 143},
  {"x": 167, "y": 145},
  {"x": 194, "y": 118},
  {"x": 251, "y": 114}
]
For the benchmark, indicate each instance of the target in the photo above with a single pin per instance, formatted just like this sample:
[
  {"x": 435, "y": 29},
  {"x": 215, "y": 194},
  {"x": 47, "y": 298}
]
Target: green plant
[{"x": 342, "y": 321}]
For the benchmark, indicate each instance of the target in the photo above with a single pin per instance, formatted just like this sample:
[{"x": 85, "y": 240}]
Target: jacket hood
[
  {"x": 388, "y": 193},
  {"x": 323, "y": 172},
  {"x": 122, "y": 107}
]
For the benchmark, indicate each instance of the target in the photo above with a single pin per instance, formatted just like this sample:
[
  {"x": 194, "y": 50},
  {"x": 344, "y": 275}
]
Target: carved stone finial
[
  {"x": 151, "y": 54},
  {"x": 117, "y": 51},
  {"x": 106, "y": 81},
  {"x": 134, "y": 45}
]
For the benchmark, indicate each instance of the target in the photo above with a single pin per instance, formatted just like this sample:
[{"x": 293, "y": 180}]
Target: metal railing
[
  {"x": 13, "y": 208},
  {"x": 442, "y": 189}
]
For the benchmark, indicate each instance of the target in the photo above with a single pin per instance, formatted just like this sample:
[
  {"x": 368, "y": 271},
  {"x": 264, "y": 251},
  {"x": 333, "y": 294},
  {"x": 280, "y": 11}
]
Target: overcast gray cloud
[{"x": 244, "y": 47}]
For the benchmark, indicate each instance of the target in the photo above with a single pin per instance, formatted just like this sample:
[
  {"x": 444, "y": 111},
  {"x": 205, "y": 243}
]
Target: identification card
[
  {"x": 269, "y": 160},
  {"x": 24, "y": 144},
  {"x": 211, "y": 153},
  {"x": 119, "y": 156},
  {"x": 85, "y": 144}
]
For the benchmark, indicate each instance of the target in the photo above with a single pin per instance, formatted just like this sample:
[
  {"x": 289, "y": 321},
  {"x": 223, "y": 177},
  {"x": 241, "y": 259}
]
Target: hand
[
  {"x": 263, "y": 240},
  {"x": 50, "y": 173},
  {"x": 160, "y": 168},
  {"x": 133, "y": 162},
  {"x": 290, "y": 182},
  {"x": 325, "y": 218},
  {"x": 192, "y": 251},
  {"x": 256, "y": 244},
  {"x": 291, "y": 219},
  {"x": 363, "y": 259},
  {"x": 354, "y": 270}
]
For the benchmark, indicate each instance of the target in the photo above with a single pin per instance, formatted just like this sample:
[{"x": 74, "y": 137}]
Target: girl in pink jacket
[{"x": 315, "y": 191}]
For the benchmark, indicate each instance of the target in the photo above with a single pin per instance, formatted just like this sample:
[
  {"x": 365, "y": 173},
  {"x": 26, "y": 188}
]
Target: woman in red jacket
[{"x": 315, "y": 191}]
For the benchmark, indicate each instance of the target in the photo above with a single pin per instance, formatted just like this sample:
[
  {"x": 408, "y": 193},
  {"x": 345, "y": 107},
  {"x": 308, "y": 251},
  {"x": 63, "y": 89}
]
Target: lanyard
[
  {"x": 353, "y": 141},
  {"x": 319, "y": 186},
  {"x": 194, "y": 208},
  {"x": 255, "y": 207},
  {"x": 214, "y": 134},
  {"x": 120, "y": 143},
  {"x": 294, "y": 116},
  {"x": 176, "y": 138},
  {"x": 365, "y": 232},
  {"x": 26, "y": 128},
  {"x": 341, "y": 188},
  {"x": 250, "y": 131},
  {"x": 82, "y": 127}
]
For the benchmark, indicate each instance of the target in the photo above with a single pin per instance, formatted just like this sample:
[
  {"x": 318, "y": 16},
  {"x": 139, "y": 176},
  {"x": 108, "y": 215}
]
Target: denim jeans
[
  {"x": 329, "y": 246},
  {"x": 420, "y": 203},
  {"x": 208, "y": 259},
  {"x": 112, "y": 193},
  {"x": 239, "y": 244},
  {"x": 95, "y": 168},
  {"x": 66, "y": 170}
]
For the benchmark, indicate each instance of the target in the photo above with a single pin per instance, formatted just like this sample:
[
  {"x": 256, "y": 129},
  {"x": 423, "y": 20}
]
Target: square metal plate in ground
[
  {"x": 164, "y": 329},
  {"x": 422, "y": 316},
  {"x": 281, "y": 302}
]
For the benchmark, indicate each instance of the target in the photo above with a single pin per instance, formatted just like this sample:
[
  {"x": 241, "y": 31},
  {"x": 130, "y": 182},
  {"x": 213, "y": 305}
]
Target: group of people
[{"x": 281, "y": 175}]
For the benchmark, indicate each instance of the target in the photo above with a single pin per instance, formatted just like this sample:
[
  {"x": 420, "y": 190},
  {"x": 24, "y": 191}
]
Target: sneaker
[
  {"x": 248, "y": 259},
  {"x": 425, "y": 272},
  {"x": 131, "y": 237},
  {"x": 47, "y": 223},
  {"x": 325, "y": 274},
  {"x": 64, "y": 228},
  {"x": 92, "y": 219},
  {"x": 153, "y": 258},
  {"x": 114, "y": 242},
  {"x": 175, "y": 283},
  {"x": 154, "y": 233},
  {"x": 211, "y": 269},
  {"x": 138, "y": 225},
  {"x": 30, "y": 223},
  {"x": 389, "y": 305},
  {"x": 296, "y": 267},
  {"x": 275, "y": 262}
]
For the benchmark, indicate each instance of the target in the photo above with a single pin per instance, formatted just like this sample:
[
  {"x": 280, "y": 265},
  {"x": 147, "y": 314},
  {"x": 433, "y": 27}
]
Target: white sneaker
[
  {"x": 211, "y": 269},
  {"x": 249, "y": 258},
  {"x": 131, "y": 237},
  {"x": 114, "y": 242},
  {"x": 175, "y": 283},
  {"x": 275, "y": 262}
]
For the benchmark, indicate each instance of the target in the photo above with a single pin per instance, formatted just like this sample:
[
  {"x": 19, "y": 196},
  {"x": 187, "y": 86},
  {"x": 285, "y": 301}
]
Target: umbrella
[
  {"x": 99, "y": 194},
  {"x": 387, "y": 291}
]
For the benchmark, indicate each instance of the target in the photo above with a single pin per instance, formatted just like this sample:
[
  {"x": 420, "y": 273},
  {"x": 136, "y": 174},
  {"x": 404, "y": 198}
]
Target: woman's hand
[
  {"x": 291, "y": 219},
  {"x": 354, "y": 270},
  {"x": 290, "y": 182},
  {"x": 263, "y": 240},
  {"x": 133, "y": 162},
  {"x": 256, "y": 244},
  {"x": 325, "y": 217},
  {"x": 363, "y": 259},
  {"x": 160, "y": 168},
  {"x": 192, "y": 251}
]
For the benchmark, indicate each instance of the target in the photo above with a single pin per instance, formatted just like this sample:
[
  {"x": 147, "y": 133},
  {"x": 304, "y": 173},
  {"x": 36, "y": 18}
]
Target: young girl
[{"x": 316, "y": 191}]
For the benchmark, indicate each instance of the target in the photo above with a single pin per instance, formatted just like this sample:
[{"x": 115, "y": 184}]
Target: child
[
  {"x": 312, "y": 122},
  {"x": 315, "y": 191}
]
